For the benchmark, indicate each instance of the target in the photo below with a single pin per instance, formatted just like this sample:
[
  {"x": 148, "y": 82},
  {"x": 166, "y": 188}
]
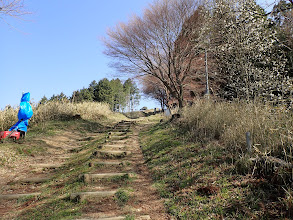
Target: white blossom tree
[{"x": 246, "y": 48}]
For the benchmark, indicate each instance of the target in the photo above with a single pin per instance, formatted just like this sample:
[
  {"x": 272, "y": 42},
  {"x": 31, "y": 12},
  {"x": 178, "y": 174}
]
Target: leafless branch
[
  {"x": 12, "y": 8},
  {"x": 150, "y": 45}
]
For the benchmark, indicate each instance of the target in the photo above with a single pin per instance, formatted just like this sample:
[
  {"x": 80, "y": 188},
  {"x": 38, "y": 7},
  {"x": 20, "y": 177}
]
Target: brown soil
[
  {"x": 23, "y": 166},
  {"x": 144, "y": 199}
]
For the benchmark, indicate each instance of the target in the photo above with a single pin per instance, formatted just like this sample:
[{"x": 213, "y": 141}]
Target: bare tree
[
  {"x": 153, "y": 88},
  {"x": 12, "y": 8},
  {"x": 149, "y": 45}
]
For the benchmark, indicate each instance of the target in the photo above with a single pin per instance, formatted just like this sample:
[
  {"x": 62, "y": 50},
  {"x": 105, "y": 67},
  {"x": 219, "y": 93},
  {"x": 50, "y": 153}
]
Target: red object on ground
[{"x": 15, "y": 134}]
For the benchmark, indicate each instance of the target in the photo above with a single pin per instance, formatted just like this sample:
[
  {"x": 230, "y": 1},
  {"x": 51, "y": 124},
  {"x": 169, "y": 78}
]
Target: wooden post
[
  {"x": 207, "y": 75},
  {"x": 248, "y": 141}
]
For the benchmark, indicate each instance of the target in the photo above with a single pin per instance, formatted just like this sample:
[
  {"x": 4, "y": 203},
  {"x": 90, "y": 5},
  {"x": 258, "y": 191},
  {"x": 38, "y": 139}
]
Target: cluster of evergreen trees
[{"x": 120, "y": 96}]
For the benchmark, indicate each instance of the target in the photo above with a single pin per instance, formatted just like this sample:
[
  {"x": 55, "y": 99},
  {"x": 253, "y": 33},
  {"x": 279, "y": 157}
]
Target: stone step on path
[
  {"x": 117, "y": 133},
  {"x": 88, "y": 178},
  {"x": 82, "y": 196},
  {"x": 90, "y": 138},
  {"x": 111, "y": 153},
  {"x": 119, "y": 142},
  {"x": 126, "y": 122},
  {"x": 130, "y": 122},
  {"x": 107, "y": 163},
  {"x": 62, "y": 157},
  {"x": 122, "y": 126},
  {"x": 116, "y": 141},
  {"x": 113, "y": 147},
  {"x": 18, "y": 196},
  {"x": 34, "y": 180},
  {"x": 47, "y": 166},
  {"x": 121, "y": 129},
  {"x": 119, "y": 137}
]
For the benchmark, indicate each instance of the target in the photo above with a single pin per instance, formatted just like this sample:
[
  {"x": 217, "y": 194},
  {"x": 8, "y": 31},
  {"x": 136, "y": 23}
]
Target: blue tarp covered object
[
  {"x": 20, "y": 125},
  {"x": 24, "y": 114},
  {"x": 25, "y": 111}
]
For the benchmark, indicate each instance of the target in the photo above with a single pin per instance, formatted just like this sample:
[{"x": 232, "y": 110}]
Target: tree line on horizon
[{"x": 121, "y": 96}]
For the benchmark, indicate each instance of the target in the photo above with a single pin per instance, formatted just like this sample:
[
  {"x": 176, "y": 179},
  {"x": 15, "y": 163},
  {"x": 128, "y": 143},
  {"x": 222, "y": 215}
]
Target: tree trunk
[
  {"x": 180, "y": 98},
  {"x": 180, "y": 102}
]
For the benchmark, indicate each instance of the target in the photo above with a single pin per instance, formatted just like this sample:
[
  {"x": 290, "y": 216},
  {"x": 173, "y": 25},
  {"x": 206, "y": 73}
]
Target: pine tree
[
  {"x": 60, "y": 97},
  {"x": 132, "y": 94},
  {"x": 103, "y": 91},
  {"x": 118, "y": 96}
]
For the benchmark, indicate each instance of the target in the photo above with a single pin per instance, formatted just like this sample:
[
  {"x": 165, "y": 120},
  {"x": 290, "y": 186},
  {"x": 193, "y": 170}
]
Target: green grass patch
[
  {"x": 122, "y": 197},
  {"x": 118, "y": 179},
  {"x": 130, "y": 217}
]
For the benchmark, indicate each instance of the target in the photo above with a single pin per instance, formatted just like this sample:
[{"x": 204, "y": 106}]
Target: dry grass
[
  {"x": 201, "y": 165},
  {"x": 198, "y": 180},
  {"x": 60, "y": 111},
  {"x": 63, "y": 110},
  {"x": 271, "y": 128},
  {"x": 8, "y": 117}
]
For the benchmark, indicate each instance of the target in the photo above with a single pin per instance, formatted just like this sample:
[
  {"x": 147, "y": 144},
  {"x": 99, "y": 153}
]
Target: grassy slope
[
  {"x": 66, "y": 180},
  {"x": 54, "y": 203},
  {"x": 199, "y": 181}
]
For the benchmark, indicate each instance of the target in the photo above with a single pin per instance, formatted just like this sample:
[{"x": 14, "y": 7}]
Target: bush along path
[{"x": 99, "y": 176}]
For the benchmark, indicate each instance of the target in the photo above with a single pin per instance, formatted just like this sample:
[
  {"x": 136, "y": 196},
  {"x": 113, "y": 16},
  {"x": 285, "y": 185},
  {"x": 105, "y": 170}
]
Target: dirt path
[
  {"x": 118, "y": 185},
  {"x": 27, "y": 165},
  {"x": 144, "y": 202}
]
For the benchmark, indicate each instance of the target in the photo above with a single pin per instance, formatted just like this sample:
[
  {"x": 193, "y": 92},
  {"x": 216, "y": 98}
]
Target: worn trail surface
[{"x": 115, "y": 184}]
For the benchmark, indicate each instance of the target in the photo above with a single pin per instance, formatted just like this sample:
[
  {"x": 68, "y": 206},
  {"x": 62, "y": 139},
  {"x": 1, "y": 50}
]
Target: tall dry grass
[
  {"x": 272, "y": 138},
  {"x": 271, "y": 127},
  {"x": 8, "y": 117},
  {"x": 58, "y": 111}
]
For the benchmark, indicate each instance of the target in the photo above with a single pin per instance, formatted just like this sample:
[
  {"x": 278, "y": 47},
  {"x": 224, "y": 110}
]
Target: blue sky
[{"x": 57, "y": 48}]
